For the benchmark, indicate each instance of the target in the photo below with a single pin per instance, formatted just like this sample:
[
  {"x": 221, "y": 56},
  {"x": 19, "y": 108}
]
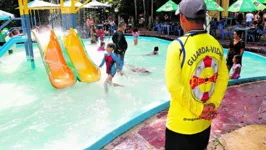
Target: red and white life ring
[{"x": 204, "y": 78}]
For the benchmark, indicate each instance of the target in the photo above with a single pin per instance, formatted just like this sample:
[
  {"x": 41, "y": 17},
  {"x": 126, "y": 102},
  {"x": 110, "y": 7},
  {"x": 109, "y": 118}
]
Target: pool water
[{"x": 36, "y": 116}]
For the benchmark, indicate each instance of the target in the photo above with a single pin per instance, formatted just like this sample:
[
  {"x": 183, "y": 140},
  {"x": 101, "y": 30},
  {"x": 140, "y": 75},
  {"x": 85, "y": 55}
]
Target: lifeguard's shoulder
[{"x": 175, "y": 46}]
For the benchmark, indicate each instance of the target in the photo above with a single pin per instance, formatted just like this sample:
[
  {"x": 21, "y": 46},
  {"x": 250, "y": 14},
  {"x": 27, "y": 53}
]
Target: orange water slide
[{"x": 60, "y": 75}]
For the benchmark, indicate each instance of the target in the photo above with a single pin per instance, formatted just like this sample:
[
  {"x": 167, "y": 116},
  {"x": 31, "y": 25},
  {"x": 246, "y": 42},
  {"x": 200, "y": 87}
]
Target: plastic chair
[
  {"x": 158, "y": 28},
  {"x": 261, "y": 33},
  {"x": 223, "y": 22},
  {"x": 252, "y": 37},
  {"x": 213, "y": 27},
  {"x": 154, "y": 27},
  {"x": 223, "y": 33},
  {"x": 112, "y": 29},
  {"x": 238, "y": 26},
  {"x": 177, "y": 30}
]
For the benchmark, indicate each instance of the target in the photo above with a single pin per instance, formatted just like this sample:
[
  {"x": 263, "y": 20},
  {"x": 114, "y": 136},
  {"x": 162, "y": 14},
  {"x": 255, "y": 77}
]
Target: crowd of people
[
  {"x": 259, "y": 17},
  {"x": 256, "y": 21},
  {"x": 95, "y": 33}
]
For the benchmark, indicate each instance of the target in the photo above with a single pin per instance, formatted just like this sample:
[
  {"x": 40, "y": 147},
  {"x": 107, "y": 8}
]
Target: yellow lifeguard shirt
[{"x": 202, "y": 80}]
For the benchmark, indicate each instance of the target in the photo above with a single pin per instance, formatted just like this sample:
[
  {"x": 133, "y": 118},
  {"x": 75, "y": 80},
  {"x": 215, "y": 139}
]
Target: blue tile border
[
  {"x": 142, "y": 117},
  {"x": 246, "y": 80}
]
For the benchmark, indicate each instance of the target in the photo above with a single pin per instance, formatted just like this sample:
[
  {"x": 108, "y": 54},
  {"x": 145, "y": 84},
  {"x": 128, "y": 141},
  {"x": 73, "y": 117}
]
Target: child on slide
[{"x": 110, "y": 59}]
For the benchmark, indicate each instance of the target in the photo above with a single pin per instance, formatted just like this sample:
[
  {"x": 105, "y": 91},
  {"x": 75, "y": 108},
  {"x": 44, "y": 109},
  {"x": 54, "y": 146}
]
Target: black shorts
[{"x": 176, "y": 141}]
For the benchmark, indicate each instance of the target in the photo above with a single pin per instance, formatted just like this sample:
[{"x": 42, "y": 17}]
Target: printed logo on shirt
[
  {"x": 204, "y": 78},
  {"x": 204, "y": 50},
  {"x": 191, "y": 119}
]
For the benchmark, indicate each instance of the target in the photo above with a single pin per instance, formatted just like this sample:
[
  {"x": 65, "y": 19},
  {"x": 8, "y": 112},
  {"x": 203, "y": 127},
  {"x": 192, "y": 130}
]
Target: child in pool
[
  {"x": 135, "y": 33},
  {"x": 110, "y": 59},
  {"x": 107, "y": 33},
  {"x": 102, "y": 47},
  {"x": 138, "y": 69},
  {"x": 101, "y": 35},
  {"x": 236, "y": 67},
  {"x": 155, "y": 51}
]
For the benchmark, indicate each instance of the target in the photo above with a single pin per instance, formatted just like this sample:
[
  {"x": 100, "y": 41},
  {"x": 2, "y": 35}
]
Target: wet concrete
[{"x": 243, "y": 105}]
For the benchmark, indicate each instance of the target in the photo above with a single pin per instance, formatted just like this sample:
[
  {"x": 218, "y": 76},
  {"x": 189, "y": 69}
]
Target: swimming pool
[{"x": 36, "y": 116}]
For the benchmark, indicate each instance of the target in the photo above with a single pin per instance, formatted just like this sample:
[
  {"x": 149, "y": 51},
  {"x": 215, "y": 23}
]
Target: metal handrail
[{"x": 8, "y": 21}]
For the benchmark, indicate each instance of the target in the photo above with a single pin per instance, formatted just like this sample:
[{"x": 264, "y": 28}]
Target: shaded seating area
[
  {"x": 224, "y": 33},
  {"x": 220, "y": 28},
  {"x": 168, "y": 29}
]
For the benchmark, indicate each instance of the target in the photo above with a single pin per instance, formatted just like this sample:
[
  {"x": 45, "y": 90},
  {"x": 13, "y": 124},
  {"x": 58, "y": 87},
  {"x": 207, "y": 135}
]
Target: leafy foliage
[{"x": 126, "y": 8}]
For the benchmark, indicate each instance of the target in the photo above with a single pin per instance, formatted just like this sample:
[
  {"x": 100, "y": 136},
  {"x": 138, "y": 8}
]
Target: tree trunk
[
  {"x": 136, "y": 11},
  {"x": 152, "y": 9},
  {"x": 145, "y": 14}
]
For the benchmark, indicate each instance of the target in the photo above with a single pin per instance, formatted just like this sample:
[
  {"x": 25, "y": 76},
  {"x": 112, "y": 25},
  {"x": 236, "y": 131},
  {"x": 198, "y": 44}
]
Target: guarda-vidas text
[{"x": 204, "y": 50}]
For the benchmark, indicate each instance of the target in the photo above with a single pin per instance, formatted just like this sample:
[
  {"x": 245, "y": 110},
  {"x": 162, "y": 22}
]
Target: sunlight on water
[{"x": 36, "y": 116}]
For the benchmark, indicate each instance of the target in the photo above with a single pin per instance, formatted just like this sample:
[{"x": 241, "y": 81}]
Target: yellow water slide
[
  {"x": 59, "y": 73},
  {"x": 87, "y": 71}
]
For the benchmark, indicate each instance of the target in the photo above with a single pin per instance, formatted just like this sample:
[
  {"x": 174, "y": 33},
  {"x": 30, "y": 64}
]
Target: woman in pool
[
  {"x": 236, "y": 67},
  {"x": 236, "y": 47}
]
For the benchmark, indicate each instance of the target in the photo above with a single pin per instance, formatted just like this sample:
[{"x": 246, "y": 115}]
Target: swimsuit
[
  {"x": 101, "y": 35},
  {"x": 135, "y": 34},
  {"x": 101, "y": 48},
  {"x": 110, "y": 63},
  {"x": 237, "y": 75}
]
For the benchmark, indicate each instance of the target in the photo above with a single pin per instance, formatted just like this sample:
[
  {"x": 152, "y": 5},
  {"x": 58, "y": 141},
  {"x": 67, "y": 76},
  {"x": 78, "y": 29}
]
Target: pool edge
[
  {"x": 127, "y": 126},
  {"x": 144, "y": 116}
]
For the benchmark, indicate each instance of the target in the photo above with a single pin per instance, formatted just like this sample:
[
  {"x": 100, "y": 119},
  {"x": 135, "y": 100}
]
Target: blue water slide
[{"x": 10, "y": 43}]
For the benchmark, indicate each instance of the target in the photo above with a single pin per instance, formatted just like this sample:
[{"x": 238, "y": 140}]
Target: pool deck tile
[{"x": 243, "y": 105}]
